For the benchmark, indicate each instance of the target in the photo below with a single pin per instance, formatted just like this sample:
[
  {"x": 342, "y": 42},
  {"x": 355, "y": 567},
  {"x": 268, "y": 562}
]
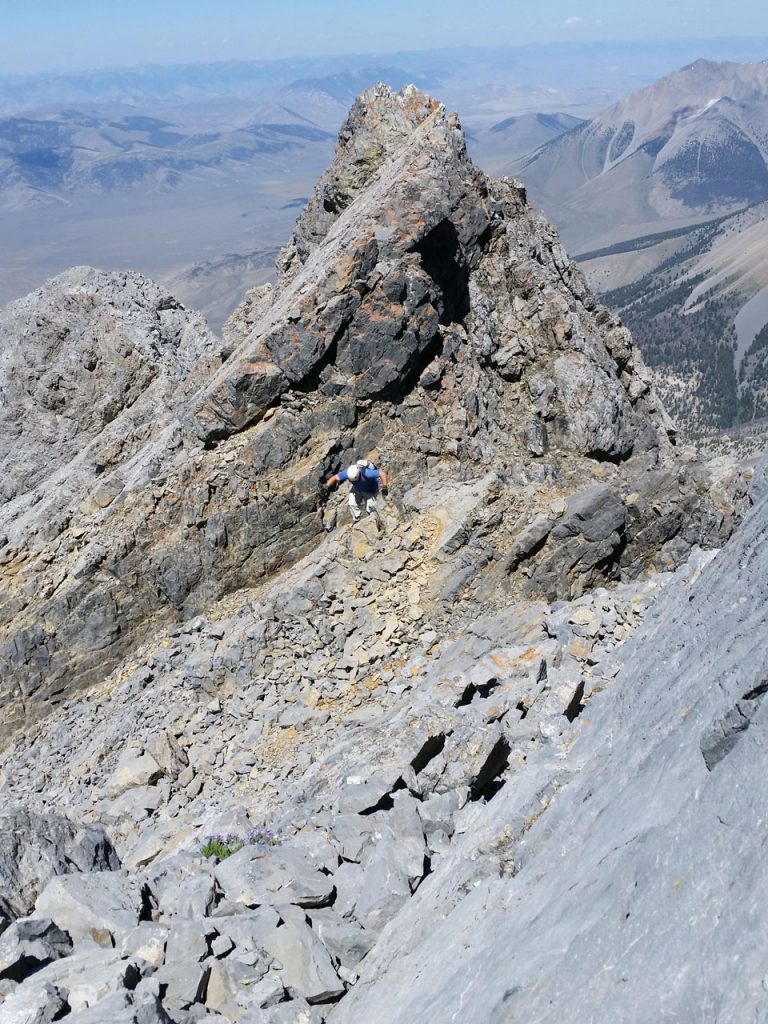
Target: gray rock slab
[
  {"x": 231, "y": 987},
  {"x": 437, "y": 812},
  {"x": 6, "y": 987},
  {"x": 349, "y": 880},
  {"x": 123, "y": 1008},
  {"x": 360, "y": 794},
  {"x": 267, "y": 992},
  {"x": 472, "y": 757},
  {"x": 594, "y": 512},
  {"x": 30, "y": 943},
  {"x": 221, "y": 946},
  {"x": 385, "y": 884},
  {"x": 643, "y": 859},
  {"x": 33, "y": 1004},
  {"x": 353, "y": 833},
  {"x": 35, "y": 847},
  {"x": 403, "y": 823},
  {"x": 171, "y": 870},
  {"x": 183, "y": 983},
  {"x": 273, "y": 875},
  {"x": 147, "y": 941},
  {"x": 88, "y": 976},
  {"x": 82, "y": 904},
  {"x": 307, "y": 967},
  {"x": 134, "y": 804},
  {"x": 247, "y": 934},
  {"x": 193, "y": 897},
  {"x": 346, "y": 941},
  {"x": 319, "y": 848},
  {"x": 188, "y": 940},
  {"x": 133, "y": 770},
  {"x": 86, "y": 988},
  {"x": 294, "y": 1011}
]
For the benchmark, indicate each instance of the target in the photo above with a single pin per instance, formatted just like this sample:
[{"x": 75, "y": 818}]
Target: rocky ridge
[
  {"x": 439, "y": 326},
  {"x": 193, "y": 643}
]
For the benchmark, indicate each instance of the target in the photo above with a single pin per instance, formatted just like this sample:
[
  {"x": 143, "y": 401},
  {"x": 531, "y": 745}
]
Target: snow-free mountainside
[
  {"x": 499, "y": 758},
  {"x": 662, "y": 198}
]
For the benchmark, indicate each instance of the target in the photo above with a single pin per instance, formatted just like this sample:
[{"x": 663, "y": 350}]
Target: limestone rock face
[
  {"x": 90, "y": 356},
  {"x": 35, "y": 848},
  {"x": 636, "y": 855},
  {"x": 426, "y": 318}
]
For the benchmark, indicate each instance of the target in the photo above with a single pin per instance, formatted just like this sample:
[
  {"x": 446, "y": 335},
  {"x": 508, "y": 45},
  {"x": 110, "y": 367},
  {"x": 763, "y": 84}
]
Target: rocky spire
[
  {"x": 421, "y": 246},
  {"x": 378, "y": 125},
  {"x": 425, "y": 316}
]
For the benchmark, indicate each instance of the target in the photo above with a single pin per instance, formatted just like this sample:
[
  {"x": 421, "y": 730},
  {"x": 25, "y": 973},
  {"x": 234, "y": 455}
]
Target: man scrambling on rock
[{"x": 365, "y": 479}]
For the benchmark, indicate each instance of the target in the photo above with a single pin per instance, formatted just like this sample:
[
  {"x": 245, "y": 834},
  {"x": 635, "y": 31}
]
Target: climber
[{"x": 365, "y": 479}]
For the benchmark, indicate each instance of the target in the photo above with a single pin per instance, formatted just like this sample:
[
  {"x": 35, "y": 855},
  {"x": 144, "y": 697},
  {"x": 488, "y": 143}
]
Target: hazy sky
[{"x": 39, "y": 35}]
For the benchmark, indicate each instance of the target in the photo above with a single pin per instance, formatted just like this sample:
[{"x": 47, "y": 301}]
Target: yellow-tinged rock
[{"x": 581, "y": 647}]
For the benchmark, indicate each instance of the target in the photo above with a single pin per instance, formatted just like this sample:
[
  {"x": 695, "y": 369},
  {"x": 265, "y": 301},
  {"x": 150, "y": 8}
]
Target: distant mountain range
[
  {"x": 692, "y": 145},
  {"x": 663, "y": 198},
  {"x": 518, "y": 136},
  {"x": 43, "y": 159},
  {"x": 184, "y": 85},
  {"x": 505, "y": 79}
]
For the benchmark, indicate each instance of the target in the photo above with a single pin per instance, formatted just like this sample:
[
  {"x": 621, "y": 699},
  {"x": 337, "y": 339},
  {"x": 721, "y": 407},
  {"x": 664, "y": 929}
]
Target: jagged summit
[
  {"x": 91, "y": 357},
  {"x": 379, "y": 122},
  {"x": 418, "y": 224}
]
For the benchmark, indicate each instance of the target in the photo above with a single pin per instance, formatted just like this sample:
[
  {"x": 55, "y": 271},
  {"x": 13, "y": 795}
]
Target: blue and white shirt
[{"x": 367, "y": 482}]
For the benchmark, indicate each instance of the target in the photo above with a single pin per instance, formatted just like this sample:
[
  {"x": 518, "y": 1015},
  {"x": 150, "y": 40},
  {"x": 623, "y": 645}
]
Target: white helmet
[{"x": 353, "y": 473}]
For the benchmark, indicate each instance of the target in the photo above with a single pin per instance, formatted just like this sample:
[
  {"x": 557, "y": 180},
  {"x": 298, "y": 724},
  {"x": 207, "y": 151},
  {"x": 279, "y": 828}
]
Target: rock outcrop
[
  {"x": 34, "y": 848},
  {"x": 91, "y": 357},
  {"x": 426, "y": 316},
  {"x": 321, "y": 752}
]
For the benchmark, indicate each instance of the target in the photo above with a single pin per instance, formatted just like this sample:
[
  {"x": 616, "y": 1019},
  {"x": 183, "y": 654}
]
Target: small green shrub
[{"x": 223, "y": 844}]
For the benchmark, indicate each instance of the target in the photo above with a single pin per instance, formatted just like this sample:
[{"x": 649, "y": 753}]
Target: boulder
[
  {"x": 346, "y": 941},
  {"x": 188, "y": 940},
  {"x": 273, "y": 875},
  {"x": 183, "y": 982},
  {"x": 194, "y": 896},
  {"x": 34, "y": 1004},
  {"x": 249, "y": 932},
  {"x": 293, "y": 1011},
  {"x": 83, "y": 904},
  {"x": 584, "y": 547},
  {"x": 30, "y": 943},
  {"x": 307, "y": 969},
  {"x": 147, "y": 941},
  {"x": 86, "y": 977},
  {"x": 234, "y": 986},
  {"x": 133, "y": 770},
  {"x": 123, "y": 1008},
  {"x": 98, "y": 982},
  {"x": 35, "y": 847}
]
